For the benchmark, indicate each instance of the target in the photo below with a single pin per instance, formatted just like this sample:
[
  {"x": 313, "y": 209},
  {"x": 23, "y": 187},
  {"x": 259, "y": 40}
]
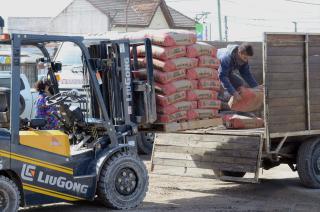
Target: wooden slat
[
  {"x": 288, "y": 110},
  {"x": 203, "y": 165},
  {"x": 286, "y": 93},
  {"x": 285, "y": 119},
  {"x": 206, "y": 151},
  {"x": 280, "y": 85},
  {"x": 212, "y": 145},
  {"x": 314, "y": 92},
  {"x": 283, "y": 102},
  {"x": 315, "y": 108},
  {"x": 314, "y": 68},
  {"x": 273, "y": 128},
  {"x": 314, "y": 39},
  {"x": 285, "y": 38},
  {"x": 314, "y": 50},
  {"x": 288, "y": 51},
  {"x": 315, "y": 116},
  {"x": 314, "y": 84},
  {"x": 289, "y": 76},
  {"x": 283, "y": 68},
  {"x": 315, "y": 75},
  {"x": 205, "y": 158},
  {"x": 314, "y": 59},
  {"x": 315, "y": 125},
  {"x": 285, "y": 60},
  {"x": 314, "y": 100}
]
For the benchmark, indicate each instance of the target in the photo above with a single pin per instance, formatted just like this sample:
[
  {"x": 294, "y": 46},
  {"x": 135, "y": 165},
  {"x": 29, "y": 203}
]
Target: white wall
[
  {"x": 80, "y": 17},
  {"x": 159, "y": 21},
  {"x": 130, "y": 29}
]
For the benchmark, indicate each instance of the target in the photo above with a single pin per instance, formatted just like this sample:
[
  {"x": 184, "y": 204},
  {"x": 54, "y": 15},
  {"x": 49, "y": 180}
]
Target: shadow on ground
[{"x": 270, "y": 195}]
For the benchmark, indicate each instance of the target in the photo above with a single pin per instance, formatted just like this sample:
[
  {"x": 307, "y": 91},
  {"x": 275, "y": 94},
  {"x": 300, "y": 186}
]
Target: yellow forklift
[{"x": 93, "y": 156}]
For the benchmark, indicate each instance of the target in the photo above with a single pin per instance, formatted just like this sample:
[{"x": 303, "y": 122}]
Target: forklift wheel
[
  {"x": 9, "y": 195},
  {"x": 123, "y": 181},
  {"x": 145, "y": 143}
]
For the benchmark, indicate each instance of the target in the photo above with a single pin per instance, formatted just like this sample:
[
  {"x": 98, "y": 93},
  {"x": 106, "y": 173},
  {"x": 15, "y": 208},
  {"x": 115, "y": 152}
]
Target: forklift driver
[{"x": 43, "y": 111}]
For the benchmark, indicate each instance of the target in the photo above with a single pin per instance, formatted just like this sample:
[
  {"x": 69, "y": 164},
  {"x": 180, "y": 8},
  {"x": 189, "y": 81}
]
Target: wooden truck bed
[{"x": 207, "y": 152}]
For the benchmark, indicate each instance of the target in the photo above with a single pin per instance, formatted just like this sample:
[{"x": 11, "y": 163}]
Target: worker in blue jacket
[{"x": 235, "y": 57}]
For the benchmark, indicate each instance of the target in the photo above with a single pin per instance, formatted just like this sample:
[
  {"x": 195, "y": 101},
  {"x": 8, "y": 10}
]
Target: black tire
[
  {"x": 9, "y": 195},
  {"x": 308, "y": 163},
  {"x": 232, "y": 174},
  {"x": 145, "y": 143},
  {"x": 120, "y": 191}
]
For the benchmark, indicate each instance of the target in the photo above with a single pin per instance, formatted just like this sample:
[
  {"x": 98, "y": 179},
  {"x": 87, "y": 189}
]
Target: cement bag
[
  {"x": 137, "y": 35},
  {"x": 242, "y": 122},
  {"x": 167, "y": 37},
  {"x": 194, "y": 95},
  {"x": 181, "y": 115},
  {"x": 251, "y": 100},
  {"x": 201, "y": 72},
  {"x": 163, "y": 100},
  {"x": 160, "y": 76},
  {"x": 202, "y": 113},
  {"x": 176, "y": 86},
  {"x": 209, "y": 104},
  {"x": 175, "y": 64},
  {"x": 179, "y": 106},
  {"x": 199, "y": 49},
  {"x": 209, "y": 84},
  {"x": 163, "y": 53},
  {"x": 209, "y": 62}
]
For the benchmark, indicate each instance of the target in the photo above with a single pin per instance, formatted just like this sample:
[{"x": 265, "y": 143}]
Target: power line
[{"x": 303, "y": 2}]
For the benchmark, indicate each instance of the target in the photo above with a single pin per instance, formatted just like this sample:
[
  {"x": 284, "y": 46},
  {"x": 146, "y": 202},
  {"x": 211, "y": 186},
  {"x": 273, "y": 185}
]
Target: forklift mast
[{"x": 130, "y": 102}]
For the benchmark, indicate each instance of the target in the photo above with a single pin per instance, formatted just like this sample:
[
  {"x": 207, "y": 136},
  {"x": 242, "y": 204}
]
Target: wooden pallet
[{"x": 187, "y": 125}]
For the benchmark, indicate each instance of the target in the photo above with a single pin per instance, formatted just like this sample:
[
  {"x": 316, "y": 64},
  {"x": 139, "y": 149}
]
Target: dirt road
[{"x": 279, "y": 190}]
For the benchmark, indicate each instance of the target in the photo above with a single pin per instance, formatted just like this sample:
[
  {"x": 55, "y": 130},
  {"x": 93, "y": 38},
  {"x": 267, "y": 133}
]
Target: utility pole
[
  {"x": 127, "y": 7},
  {"x": 226, "y": 28},
  {"x": 219, "y": 20},
  {"x": 206, "y": 25},
  {"x": 295, "y": 26},
  {"x": 1, "y": 25}
]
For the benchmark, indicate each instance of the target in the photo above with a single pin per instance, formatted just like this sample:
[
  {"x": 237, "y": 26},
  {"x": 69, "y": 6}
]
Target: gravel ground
[{"x": 279, "y": 190}]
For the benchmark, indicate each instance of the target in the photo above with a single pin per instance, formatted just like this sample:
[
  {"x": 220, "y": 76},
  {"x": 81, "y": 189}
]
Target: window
[{"x": 6, "y": 82}]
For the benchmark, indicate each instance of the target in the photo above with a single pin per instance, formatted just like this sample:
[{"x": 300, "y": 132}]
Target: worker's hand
[
  {"x": 237, "y": 96},
  {"x": 259, "y": 87}
]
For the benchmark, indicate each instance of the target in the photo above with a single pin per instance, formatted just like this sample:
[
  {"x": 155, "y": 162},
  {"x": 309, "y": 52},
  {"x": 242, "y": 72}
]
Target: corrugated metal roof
[{"x": 140, "y": 12}]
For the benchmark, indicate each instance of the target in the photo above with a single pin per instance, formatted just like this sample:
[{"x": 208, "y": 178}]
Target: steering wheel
[
  {"x": 60, "y": 97},
  {"x": 56, "y": 99}
]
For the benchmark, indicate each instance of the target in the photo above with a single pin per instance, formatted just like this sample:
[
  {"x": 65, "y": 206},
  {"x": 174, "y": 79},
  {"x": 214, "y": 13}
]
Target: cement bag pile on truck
[{"x": 186, "y": 76}]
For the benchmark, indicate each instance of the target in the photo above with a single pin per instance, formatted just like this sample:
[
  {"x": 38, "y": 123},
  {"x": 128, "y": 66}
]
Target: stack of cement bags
[{"x": 185, "y": 72}]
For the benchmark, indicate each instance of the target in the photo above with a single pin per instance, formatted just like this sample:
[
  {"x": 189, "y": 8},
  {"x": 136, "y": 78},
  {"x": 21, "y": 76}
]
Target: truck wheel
[
  {"x": 145, "y": 143},
  {"x": 9, "y": 195},
  {"x": 123, "y": 181},
  {"x": 308, "y": 163},
  {"x": 232, "y": 174}
]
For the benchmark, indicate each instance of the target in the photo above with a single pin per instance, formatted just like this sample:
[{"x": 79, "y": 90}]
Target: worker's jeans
[{"x": 235, "y": 80}]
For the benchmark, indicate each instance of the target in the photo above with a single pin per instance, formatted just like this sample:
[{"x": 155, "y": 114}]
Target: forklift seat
[{"x": 37, "y": 123}]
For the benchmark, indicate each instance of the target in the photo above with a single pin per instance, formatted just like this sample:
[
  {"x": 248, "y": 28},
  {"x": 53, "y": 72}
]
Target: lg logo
[{"x": 28, "y": 172}]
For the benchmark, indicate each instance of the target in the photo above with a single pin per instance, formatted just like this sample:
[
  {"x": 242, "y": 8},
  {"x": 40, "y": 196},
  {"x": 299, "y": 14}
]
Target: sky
[{"x": 246, "y": 19}]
